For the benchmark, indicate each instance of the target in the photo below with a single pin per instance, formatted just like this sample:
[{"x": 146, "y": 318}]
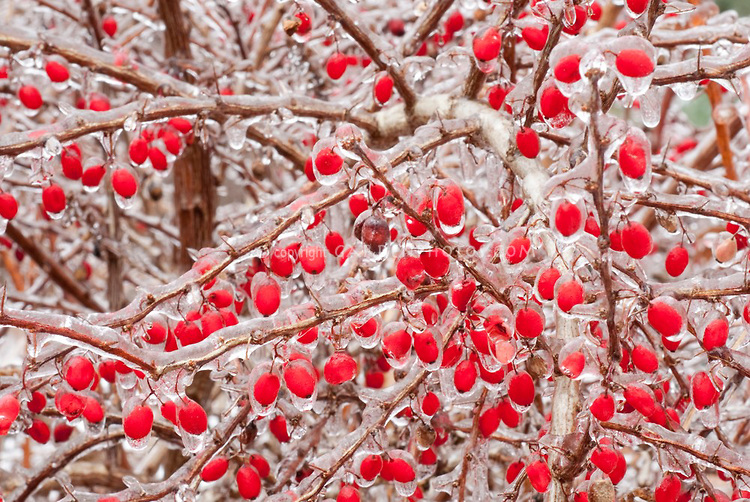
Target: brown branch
[
  {"x": 235, "y": 28},
  {"x": 650, "y": 201},
  {"x": 424, "y": 26},
  {"x": 94, "y": 22},
  {"x": 372, "y": 45},
  {"x": 722, "y": 72},
  {"x": 701, "y": 182},
  {"x": 57, "y": 272},
  {"x": 286, "y": 150},
  {"x": 97, "y": 61},
  {"x": 88, "y": 122},
  {"x": 542, "y": 68},
  {"x": 658, "y": 441}
]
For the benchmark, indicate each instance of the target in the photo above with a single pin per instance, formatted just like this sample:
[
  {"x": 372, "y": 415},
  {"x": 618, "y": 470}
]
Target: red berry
[
  {"x": 677, "y": 261},
  {"x": 592, "y": 226},
  {"x": 529, "y": 322},
  {"x": 56, "y": 71},
  {"x": 581, "y": 18},
  {"x": 93, "y": 411},
  {"x": 573, "y": 364},
  {"x": 605, "y": 459},
  {"x": 8, "y": 206},
  {"x": 260, "y": 464},
  {"x": 313, "y": 259},
  {"x": 99, "y": 103},
  {"x": 183, "y": 125},
  {"x": 704, "y": 391},
  {"x": 137, "y": 425},
  {"x": 334, "y": 243},
  {"x": 336, "y": 65},
  {"x": 715, "y": 334},
  {"x": 266, "y": 389},
  {"x": 568, "y": 218},
  {"x": 569, "y": 295},
  {"x": 277, "y": 426},
  {"x": 535, "y": 38},
  {"x": 70, "y": 159},
  {"x": 248, "y": 482},
  {"x": 461, "y": 293},
  {"x": 640, "y": 399},
  {"x": 436, "y": 262},
  {"x": 370, "y": 467},
  {"x": 328, "y": 162},
  {"x": 450, "y": 204},
  {"x": 430, "y": 404},
  {"x": 403, "y": 472},
  {"x": 496, "y": 96},
  {"x": 109, "y": 25},
  {"x": 267, "y": 296},
  {"x": 158, "y": 159},
  {"x": 539, "y": 475},
  {"x": 644, "y": 359},
  {"x": 664, "y": 318},
  {"x": 552, "y": 102},
  {"x": 300, "y": 379},
  {"x": 192, "y": 418},
  {"x": 668, "y": 490},
  {"x": 634, "y": 63},
  {"x": 426, "y": 347},
  {"x": 383, "y": 89},
  {"x": 39, "y": 431},
  {"x": 214, "y": 469},
  {"x": 638, "y": 6},
  {"x": 528, "y": 142},
  {"x": 521, "y": 389},
  {"x": 518, "y": 250},
  {"x": 348, "y": 493},
  {"x": 513, "y": 471},
  {"x": 30, "y": 97},
  {"x": 410, "y": 272},
  {"x": 487, "y": 45},
  {"x": 603, "y": 407},
  {"x": 93, "y": 175},
  {"x": 124, "y": 183},
  {"x": 9, "y": 410},
  {"x": 455, "y": 22},
  {"x": 53, "y": 199},
  {"x": 465, "y": 376},
  {"x": 37, "y": 403},
  {"x": 79, "y": 372},
  {"x": 546, "y": 283},
  {"x": 567, "y": 69},
  {"x": 636, "y": 240},
  {"x": 340, "y": 368},
  {"x": 397, "y": 344}
]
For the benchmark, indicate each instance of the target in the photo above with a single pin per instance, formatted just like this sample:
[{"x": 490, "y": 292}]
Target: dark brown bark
[{"x": 195, "y": 195}]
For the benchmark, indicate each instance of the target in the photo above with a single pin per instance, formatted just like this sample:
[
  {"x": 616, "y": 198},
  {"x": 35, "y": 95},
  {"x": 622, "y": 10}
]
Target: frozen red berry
[
  {"x": 137, "y": 424},
  {"x": 300, "y": 379},
  {"x": 9, "y": 410},
  {"x": 638, "y": 6},
  {"x": 644, "y": 359},
  {"x": 383, "y": 89},
  {"x": 397, "y": 344},
  {"x": 636, "y": 240},
  {"x": 57, "y": 72},
  {"x": 539, "y": 475},
  {"x": 8, "y": 206},
  {"x": 267, "y": 296},
  {"x": 518, "y": 250},
  {"x": 79, "y": 372},
  {"x": 487, "y": 44},
  {"x": 529, "y": 322},
  {"x": 569, "y": 294},
  {"x": 192, "y": 418},
  {"x": 336, "y": 65},
  {"x": 340, "y": 368},
  {"x": 634, "y": 63},
  {"x": 214, "y": 469},
  {"x": 370, "y": 467},
  {"x": 109, "y": 25},
  {"x": 410, "y": 272},
  {"x": 521, "y": 389},
  {"x": 30, "y": 97},
  {"x": 328, "y": 162},
  {"x": 124, "y": 183},
  {"x": 704, "y": 391},
  {"x": 535, "y": 37},
  {"x": 528, "y": 142},
  {"x": 53, "y": 199},
  {"x": 248, "y": 482},
  {"x": 567, "y": 69},
  {"x": 465, "y": 375},
  {"x": 266, "y": 389},
  {"x": 716, "y": 333},
  {"x": 603, "y": 407},
  {"x": 664, "y": 318},
  {"x": 677, "y": 261},
  {"x": 568, "y": 218}
]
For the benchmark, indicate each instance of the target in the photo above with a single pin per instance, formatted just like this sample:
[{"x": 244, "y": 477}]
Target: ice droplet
[
  {"x": 52, "y": 147},
  {"x": 131, "y": 122}
]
